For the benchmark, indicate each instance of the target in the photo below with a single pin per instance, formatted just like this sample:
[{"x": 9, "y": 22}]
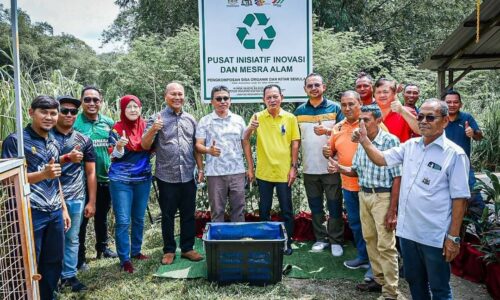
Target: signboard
[{"x": 248, "y": 44}]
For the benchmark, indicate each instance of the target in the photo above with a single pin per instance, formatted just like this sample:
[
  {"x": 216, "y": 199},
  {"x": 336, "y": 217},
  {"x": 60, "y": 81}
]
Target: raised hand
[
  {"x": 396, "y": 106},
  {"x": 254, "y": 124},
  {"x": 469, "y": 132},
  {"x": 52, "y": 169},
  {"x": 213, "y": 150},
  {"x": 359, "y": 135},
  {"x": 333, "y": 165},
  {"x": 122, "y": 141},
  {"x": 327, "y": 151},
  {"x": 76, "y": 155},
  {"x": 319, "y": 129},
  {"x": 158, "y": 124}
]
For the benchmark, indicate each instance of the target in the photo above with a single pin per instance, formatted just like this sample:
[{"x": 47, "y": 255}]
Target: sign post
[{"x": 248, "y": 44}]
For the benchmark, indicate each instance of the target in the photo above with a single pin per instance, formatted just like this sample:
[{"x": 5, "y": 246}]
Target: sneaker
[
  {"x": 356, "y": 264},
  {"x": 337, "y": 250},
  {"x": 74, "y": 283},
  {"x": 319, "y": 246},
  {"x": 107, "y": 253},
  {"x": 140, "y": 256},
  {"x": 369, "y": 275},
  {"x": 288, "y": 251},
  {"x": 128, "y": 267},
  {"x": 84, "y": 267}
]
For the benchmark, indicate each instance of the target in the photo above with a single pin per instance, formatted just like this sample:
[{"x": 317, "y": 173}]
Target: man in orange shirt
[{"x": 344, "y": 149}]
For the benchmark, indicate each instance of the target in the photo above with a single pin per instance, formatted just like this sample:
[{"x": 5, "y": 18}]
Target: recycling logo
[{"x": 268, "y": 33}]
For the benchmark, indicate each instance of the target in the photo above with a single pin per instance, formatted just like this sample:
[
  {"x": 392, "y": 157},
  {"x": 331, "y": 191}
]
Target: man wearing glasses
[
  {"x": 219, "y": 136},
  {"x": 432, "y": 200},
  {"x": 96, "y": 126},
  {"x": 316, "y": 118},
  {"x": 73, "y": 177}
]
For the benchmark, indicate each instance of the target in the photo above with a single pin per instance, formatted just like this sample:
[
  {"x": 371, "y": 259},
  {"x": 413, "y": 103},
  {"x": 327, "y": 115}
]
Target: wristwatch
[{"x": 454, "y": 239}]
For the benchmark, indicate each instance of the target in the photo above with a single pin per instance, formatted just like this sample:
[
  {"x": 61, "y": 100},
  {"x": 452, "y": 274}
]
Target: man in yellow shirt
[{"x": 278, "y": 141}]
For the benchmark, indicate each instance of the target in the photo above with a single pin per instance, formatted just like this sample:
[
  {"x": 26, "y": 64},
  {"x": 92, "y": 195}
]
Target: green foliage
[{"x": 485, "y": 152}]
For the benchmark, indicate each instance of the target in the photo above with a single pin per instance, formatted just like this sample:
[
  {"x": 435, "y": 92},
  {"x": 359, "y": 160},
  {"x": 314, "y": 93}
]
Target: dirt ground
[{"x": 337, "y": 289}]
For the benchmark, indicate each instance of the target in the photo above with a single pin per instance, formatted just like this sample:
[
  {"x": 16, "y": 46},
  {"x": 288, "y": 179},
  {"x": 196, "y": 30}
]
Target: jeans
[
  {"x": 102, "y": 207},
  {"x": 129, "y": 205},
  {"x": 426, "y": 271},
  {"x": 173, "y": 197},
  {"x": 48, "y": 228},
  {"x": 71, "y": 241},
  {"x": 351, "y": 202},
  {"x": 284, "y": 192}
]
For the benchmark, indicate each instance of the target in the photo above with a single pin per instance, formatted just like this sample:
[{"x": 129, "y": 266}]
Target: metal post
[
  {"x": 440, "y": 83},
  {"x": 17, "y": 80}
]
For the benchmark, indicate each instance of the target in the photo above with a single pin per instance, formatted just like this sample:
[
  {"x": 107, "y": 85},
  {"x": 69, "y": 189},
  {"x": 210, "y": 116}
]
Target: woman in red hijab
[{"x": 130, "y": 181}]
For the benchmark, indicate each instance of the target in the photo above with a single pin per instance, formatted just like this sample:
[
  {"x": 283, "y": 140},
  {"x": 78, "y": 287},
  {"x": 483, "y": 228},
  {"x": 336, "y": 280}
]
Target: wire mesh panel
[{"x": 16, "y": 243}]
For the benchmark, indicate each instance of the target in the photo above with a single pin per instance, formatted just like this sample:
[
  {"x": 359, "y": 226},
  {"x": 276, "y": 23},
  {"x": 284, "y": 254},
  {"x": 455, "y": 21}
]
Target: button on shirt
[
  {"x": 342, "y": 146},
  {"x": 174, "y": 146},
  {"x": 38, "y": 152},
  {"x": 433, "y": 175},
  {"x": 329, "y": 113},
  {"x": 227, "y": 133}
]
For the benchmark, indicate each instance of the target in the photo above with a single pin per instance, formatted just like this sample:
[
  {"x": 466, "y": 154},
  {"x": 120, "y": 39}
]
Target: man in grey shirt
[{"x": 171, "y": 133}]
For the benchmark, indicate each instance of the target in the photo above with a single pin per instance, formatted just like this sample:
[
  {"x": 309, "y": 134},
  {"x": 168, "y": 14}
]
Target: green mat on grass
[{"x": 301, "y": 264}]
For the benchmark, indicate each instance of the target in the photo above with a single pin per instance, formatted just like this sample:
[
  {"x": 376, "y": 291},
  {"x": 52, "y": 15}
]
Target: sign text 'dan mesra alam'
[{"x": 248, "y": 44}]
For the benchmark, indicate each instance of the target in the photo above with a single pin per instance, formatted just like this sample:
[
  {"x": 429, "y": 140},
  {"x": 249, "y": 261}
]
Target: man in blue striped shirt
[{"x": 379, "y": 193}]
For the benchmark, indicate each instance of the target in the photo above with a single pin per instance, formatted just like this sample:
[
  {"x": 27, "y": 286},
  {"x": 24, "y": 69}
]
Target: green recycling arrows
[{"x": 265, "y": 41}]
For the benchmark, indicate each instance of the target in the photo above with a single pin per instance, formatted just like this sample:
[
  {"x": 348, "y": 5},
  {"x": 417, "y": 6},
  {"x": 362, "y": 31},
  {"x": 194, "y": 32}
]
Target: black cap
[{"x": 69, "y": 99}]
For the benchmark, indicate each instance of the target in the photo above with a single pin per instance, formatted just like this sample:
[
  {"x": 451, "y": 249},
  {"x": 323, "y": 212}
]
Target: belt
[{"x": 376, "y": 190}]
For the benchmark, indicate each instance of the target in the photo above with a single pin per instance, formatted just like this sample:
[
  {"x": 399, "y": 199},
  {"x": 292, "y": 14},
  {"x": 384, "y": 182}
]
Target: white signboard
[{"x": 248, "y": 44}]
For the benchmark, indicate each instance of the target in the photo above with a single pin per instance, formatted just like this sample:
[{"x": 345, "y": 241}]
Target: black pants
[
  {"x": 181, "y": 196},
  {"x": 102, "y": 207}
]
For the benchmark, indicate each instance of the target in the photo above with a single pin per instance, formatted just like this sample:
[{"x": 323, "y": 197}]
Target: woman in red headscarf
[{"x": 130, "y": 181}]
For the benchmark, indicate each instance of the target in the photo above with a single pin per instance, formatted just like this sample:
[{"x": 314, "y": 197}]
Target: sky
[{"x": 84, "y": 19}]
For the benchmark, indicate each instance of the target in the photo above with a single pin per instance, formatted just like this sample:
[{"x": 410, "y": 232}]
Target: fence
[{"x": 18, "y": 278}]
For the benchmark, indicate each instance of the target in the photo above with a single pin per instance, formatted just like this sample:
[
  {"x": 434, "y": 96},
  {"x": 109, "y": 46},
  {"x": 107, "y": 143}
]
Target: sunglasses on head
[
  {"x": 219, "y": 99},
  {"x": 428, "y": 118},
  {"x": 72, "y": 111},
  {"x": 311, "y": 85},
  {"x": 90, "y": 99}
]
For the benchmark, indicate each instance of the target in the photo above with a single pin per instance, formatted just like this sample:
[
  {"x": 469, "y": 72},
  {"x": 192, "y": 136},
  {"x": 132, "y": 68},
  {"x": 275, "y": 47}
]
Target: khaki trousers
[{"x": 380, "y": 243}]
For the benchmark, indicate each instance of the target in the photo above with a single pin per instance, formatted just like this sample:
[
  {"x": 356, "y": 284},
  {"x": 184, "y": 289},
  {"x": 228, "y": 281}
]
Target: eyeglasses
[
  {"x": 219, "y": 99},
  {"x": 72, "y": 111},
  {"x": 428, "y": 118},
  {"x": 90, "y": 99},
  {"x": 313, "y": 85}
]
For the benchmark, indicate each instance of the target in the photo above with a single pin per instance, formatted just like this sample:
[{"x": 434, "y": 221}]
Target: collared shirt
[
  {"x": 133, "y": 166},
  {"x": 397, "y": 125},
  {"x": 433, "y": 176},
  {"x": 73, "y": 175},
  {"x": 174, "y": 146},
  {"x": 274, "y": 140},
  {"x": 455, "y": 131},
  {"x": 98, "y": 132},
  {"x": 329, "y": 113},
  {"x": 342, "y": 146},
  {"x": 227, "y": 133},
  {"x": 369, "y": 174},
  {"x": 38, "y": 151}
]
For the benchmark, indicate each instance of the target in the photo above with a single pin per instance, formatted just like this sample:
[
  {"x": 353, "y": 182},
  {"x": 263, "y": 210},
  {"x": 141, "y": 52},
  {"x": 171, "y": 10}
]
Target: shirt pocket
[{"x": 428, "y": 178}]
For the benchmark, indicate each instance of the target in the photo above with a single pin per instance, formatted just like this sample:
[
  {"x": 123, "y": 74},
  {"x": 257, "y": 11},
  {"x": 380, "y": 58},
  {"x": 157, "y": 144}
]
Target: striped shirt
[
  {"x": 371, "y": 175},
  {"x": 38, "y": 151},
  {"x": 174, "y": 146}
]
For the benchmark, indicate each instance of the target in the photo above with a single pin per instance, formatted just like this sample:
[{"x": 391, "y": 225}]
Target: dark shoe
[
  {"x": 288, "y": 251},
  {"x": 74, "y": 283},
  {"x": 168, "y": 258},
  {"x": 127, "y": 267},
  {"x": 107, "y": 253},
  {"x": 192, "y": 255},
  {"x": 140, "y": 256},
  {"x": 356, "y": 264},
  {"x": 371, "y": 286}
]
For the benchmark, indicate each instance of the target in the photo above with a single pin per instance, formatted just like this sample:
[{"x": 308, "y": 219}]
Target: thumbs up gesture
[
  {"x": 359, "y": 135},
  {"x": 396, "y": 106},
  {"x": 333, "y": 165},
  {"x": 327, "y": 151},
  {"x": 469, "y": 132},
  {"x": 254, "y": 124},
  {"x": 122, "y": 142},
  {"x": 213, "y": 150},
  {"x": 52, "y": 169},
  {"x": 76, "y": 155},
  {"x": 319, "y": 129},
  {"x": 158, "y": 124}
]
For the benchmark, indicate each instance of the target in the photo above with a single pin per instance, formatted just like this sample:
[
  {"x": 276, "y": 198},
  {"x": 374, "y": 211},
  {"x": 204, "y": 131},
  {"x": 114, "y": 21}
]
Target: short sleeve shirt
[
  {"x": 227, "y": 133},
  {"x": 174, "y": 146},
  {"x": 38, "y": 152},
  {"x": 455, "y": 131},
  {"x": 397, "y": 125},
  {"x": 274, "y": 140},
  {"x": 433, "y": 176},
  {"x": 329, "y": 113},
  {"x": 73, "y": 175},
  {"x": 342, "y": 146}
]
